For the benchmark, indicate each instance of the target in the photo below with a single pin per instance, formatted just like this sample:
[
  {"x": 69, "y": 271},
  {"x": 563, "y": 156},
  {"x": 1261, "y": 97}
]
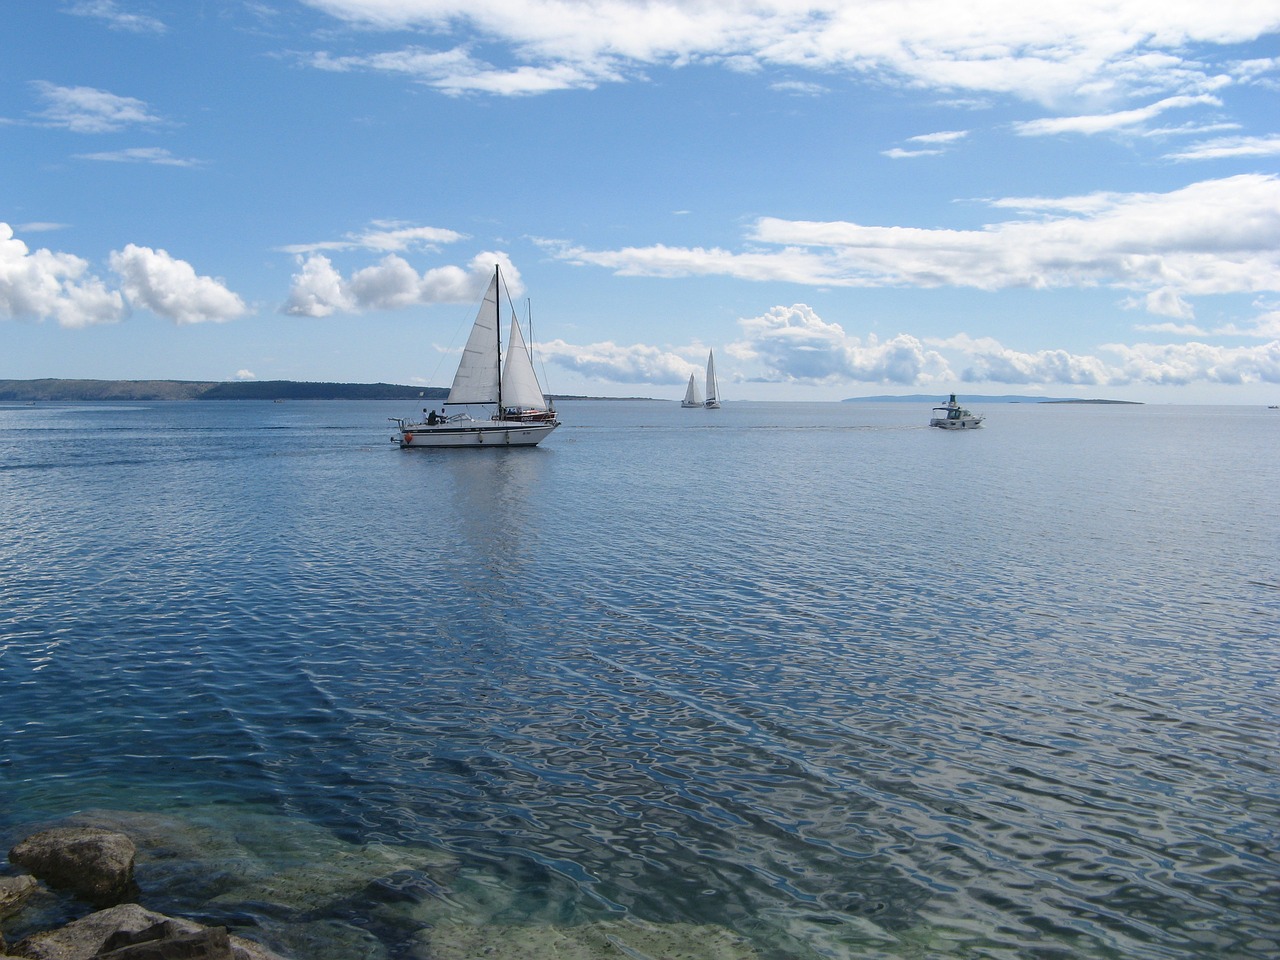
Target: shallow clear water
[{"x": 814, "y": 674}]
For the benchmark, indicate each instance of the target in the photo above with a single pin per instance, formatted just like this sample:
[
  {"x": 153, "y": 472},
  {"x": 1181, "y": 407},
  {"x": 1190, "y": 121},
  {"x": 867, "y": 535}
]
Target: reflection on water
[{"x": 810, "y": 675}]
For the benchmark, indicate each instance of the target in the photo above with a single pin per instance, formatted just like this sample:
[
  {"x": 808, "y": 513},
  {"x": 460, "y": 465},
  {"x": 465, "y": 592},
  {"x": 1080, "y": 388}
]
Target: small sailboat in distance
[
  {"x": 692, "y": 395},
  {"x": 713, "y": 385}
]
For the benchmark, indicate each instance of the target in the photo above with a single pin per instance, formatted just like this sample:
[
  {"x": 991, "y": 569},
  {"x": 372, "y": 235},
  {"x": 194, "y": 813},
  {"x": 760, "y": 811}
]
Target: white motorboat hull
[
  {"x": 474, "y": 433},
  {"x": 960, "y": 423}
]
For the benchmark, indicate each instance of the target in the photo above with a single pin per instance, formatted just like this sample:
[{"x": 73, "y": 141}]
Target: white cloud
[
  {"x": 1166, "y": 302},
  {"x": 1129, "y": 364},
  {"x": 990, "y": 362},
  {"x": 116, "y": 18},
  {"x": 246, "y": 375},
  {"x": 942, "y": 136},
  {"x": 620, "y": 363},
  {"x": 800, "y": 88},
  {"x": 793, "y": 344},
  {"x": 40, "y": 226},
  {"x": 1266, "y": 326},
  {"x": 1212, "y": 237},
  {"x": 898, "y": 153},
  {"x": 1175, "y": 329},
  {"x": 155, "y": 281},
  {"x": 1186, "y": 363},
  {"x": 1123, "y": 120},
  {"x": 384, "y": 236},
  {"x": 86, "y": 110},
  {"x": 1216, "y": 149},
  {"x": 1049, "y": 52},
  {"x": 319, "y": 289},
  {"x": 153, "y": 155},
  {"x": 45, "y": 284}
]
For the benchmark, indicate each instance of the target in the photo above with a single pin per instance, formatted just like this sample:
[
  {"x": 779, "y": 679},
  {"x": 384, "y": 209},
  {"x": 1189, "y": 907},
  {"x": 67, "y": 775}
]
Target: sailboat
[
  {"x": 692, "y": 395},
  {"x": 713, "y": 387},
  {"x": 521, "y": 416}
]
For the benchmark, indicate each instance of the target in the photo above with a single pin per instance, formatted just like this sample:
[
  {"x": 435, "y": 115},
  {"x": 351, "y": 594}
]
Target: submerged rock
[
  {"x": 14, "y": 892},
  {"x": 633, "y": 939},
  {"x": 96, "y": 865}
]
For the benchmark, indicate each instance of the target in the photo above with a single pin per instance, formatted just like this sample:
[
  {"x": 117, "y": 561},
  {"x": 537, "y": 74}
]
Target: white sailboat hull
[{"x": 475, "y": 433}]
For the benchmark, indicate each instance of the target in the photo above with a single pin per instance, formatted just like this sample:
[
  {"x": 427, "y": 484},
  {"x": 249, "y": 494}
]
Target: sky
[{"x": 842, "y": 198}]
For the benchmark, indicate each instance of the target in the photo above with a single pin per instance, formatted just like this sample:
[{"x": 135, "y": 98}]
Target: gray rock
[
  {"x": 85, "y": 938},
  {"x": 95, "y": 865},
  {"x": 13, "y": 893},
  {"x": 163, "y": 941}
]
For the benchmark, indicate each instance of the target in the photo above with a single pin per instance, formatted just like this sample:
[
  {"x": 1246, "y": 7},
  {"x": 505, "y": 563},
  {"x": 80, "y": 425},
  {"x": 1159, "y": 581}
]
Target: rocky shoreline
[
  {"x": 126, "y": 885},
  {"x": 97, "y": 866}
]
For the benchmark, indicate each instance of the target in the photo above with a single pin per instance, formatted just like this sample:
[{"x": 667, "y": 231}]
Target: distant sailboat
[
  {"x": 692, "y": 396},
  {"x": 713, "y": 386},
  {"x": 521, "y": 418}
]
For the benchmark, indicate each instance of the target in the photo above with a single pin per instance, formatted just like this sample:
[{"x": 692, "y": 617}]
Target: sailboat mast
[{"x": 497, "y": 329}]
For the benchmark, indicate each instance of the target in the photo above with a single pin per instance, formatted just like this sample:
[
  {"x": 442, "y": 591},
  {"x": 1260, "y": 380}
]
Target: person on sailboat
[{"x": 432, "y": 419}]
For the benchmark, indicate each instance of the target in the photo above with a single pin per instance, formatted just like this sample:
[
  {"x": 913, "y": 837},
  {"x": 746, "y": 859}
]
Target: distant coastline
[
  {"x": 978, "y": 398},
  {"x": 27, "y": 391}
]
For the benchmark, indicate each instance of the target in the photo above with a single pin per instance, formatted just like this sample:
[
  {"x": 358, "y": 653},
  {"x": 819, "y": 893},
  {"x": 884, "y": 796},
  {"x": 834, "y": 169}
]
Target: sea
[{"x": 782, "y": 680}]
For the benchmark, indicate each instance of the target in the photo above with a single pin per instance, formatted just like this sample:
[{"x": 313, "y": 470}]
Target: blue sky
[{"x": 1075, "y": 198}]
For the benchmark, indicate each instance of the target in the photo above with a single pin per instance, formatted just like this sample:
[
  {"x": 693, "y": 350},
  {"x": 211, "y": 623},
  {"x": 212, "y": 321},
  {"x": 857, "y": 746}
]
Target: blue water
[{"x": 812, "y": 676}]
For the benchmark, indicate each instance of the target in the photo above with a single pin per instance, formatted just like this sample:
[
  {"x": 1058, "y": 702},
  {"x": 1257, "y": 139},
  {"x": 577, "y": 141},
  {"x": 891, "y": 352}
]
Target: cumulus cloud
[
  {"x": 1185, "y": 363},
  {"x": 155, "y": 281},
  {"x": 794, "y": 345},
  {"x": 44, "y": 284},
  {"x": 319, "y": 289},
  {"x": 990, "y": 362},
  {"x": 621, "y": 363},
  {"x": 1047, "y": 52},
  {"x": 1212, "y": 237},
  {"x": 87, "y": 110}
]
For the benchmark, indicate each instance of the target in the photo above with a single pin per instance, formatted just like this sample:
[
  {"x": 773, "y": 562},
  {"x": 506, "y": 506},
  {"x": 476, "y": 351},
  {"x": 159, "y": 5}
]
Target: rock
[
  {"x": 95, "y": 865},
  {"x": 163, "y": 941},
  {"x": 85, "y": 939},
  {"x": 13, "y": 893}
]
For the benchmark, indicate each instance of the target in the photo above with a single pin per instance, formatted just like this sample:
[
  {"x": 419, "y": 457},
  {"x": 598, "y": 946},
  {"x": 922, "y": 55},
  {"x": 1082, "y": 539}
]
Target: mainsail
[{"x": 713, "y": 387}]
